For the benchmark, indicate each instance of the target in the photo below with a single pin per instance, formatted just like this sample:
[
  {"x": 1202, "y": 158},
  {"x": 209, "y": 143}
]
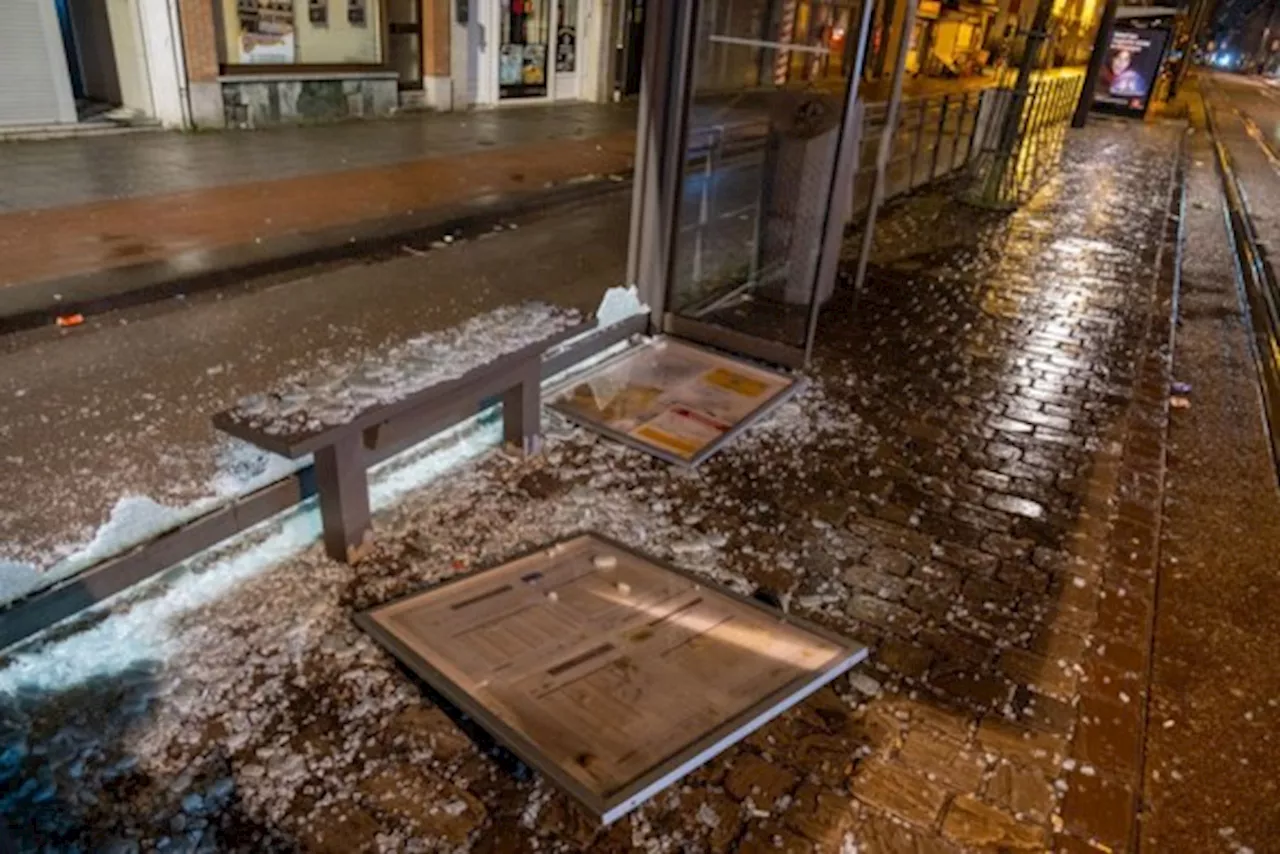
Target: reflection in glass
[{"x": 764, "y": 123}]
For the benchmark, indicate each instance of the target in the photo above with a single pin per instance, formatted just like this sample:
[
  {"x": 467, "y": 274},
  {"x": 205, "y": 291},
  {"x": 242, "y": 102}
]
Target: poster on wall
[
  {"x": 1130, "y": 70},
  {"x": 511, "y": 65},
  {"x": 266, "y": 31},
  {"x": 534, "y": 72},
  {"x": 522, "y": 70},
  {"x": 674, "y": 400}
]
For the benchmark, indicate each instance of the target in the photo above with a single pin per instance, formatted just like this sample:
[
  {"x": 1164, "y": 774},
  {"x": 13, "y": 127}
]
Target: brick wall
[{"x": 200, "y": 39}]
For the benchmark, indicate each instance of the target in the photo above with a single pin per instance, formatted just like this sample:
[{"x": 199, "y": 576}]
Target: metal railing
[
  {"x": 933, "y": 140},
  {"x": 1006, "y": 179}
]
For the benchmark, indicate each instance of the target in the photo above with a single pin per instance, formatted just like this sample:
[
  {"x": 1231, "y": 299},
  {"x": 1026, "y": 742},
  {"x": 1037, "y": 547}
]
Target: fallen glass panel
[
  {"x": 674, "y": 400},
  {"x": 612, "y": 674}
]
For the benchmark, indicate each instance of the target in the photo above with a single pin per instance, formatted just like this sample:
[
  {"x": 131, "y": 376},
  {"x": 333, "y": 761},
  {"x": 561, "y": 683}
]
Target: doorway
[
  {"x": 542, "y": 51},
  {"x": 404, "y": 46},
  {"x": 628, "y": 49},
  {"x": 569, "y": 34},
  {"x": 102, "y": 40},
  {"x": 524, "y": 28}
]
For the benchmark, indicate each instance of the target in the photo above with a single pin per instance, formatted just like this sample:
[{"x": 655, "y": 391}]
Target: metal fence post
[
  {"x": 845, "y": 168},
  {"x": 886, "y": 144},
  {"x": 704, "y": 200}
]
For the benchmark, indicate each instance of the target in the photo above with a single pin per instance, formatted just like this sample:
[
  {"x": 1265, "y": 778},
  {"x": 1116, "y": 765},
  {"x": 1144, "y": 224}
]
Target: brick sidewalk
[
  {"x": 58, "y": 242},
  {"x": 970, "y": 487}
]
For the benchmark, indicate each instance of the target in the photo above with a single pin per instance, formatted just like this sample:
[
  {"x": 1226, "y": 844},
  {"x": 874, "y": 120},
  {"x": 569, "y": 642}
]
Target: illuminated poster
[
  {"x": 672, "y": 399},
  {"x": 1130, "y": 70}
]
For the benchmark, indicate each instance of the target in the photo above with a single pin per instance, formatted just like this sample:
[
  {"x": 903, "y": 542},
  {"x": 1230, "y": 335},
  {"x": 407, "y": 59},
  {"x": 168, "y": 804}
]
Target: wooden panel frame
[{"x": 680, "y": 763}]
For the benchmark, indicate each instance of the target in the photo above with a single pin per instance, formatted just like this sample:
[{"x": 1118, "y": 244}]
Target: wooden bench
[{"x": 341, "y": 450}]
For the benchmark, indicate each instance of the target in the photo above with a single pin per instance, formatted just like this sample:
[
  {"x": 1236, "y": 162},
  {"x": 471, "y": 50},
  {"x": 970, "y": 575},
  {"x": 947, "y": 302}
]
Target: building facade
[
  {"x": 75, "y": 62},
  {"x": 259, "y": 62}
]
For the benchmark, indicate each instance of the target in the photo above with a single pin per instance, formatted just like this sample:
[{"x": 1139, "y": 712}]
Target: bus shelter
[{"x": 748, "y": 130}]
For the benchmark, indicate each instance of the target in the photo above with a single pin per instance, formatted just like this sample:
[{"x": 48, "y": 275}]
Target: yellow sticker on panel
[{"x": 734, "y": 381}]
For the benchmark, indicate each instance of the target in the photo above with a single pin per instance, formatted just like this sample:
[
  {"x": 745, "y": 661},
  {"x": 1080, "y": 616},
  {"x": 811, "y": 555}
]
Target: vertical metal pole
[
  {"x": 1100, "y": 43},
  {"x": 923, "y": 104},
  {"x": 886, "y": 147},
  {"x": 937, "y": 142},
  {"x": 685, "y": 24},
  {"x": 1197, "y": 22},
  {"x": 659, "y": 163},
  {"x": 522, "y": 412},
  {"x": 639, "y": 186},
  {"x": 704, "y": 200},
  {"x": 845, "y": 167}
]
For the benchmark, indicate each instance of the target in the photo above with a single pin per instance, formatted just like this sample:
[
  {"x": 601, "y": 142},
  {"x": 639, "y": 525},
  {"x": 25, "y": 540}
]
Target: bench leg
[
  {"x": 343, "y": 485},
  {"x": 522, "y": 412}
]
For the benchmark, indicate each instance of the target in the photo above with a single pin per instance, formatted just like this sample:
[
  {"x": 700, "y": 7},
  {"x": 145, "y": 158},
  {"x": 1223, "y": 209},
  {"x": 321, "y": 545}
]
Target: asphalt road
[{"x": 121, "y": 405}]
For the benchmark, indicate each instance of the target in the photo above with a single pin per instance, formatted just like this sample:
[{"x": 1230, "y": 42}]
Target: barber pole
[{"x": 786, "y": 34}]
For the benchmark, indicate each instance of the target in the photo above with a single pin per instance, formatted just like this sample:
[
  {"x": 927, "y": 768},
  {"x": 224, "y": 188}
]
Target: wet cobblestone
[{"x": 952, "y": 492}]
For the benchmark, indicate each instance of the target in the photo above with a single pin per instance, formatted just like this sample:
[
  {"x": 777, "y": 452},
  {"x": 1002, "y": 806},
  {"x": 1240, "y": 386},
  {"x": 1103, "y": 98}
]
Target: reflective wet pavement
[
  {"x": 971, "y": 486},
  {"x": 61, "y": 173},
  {"x": 159, "y": 208}
]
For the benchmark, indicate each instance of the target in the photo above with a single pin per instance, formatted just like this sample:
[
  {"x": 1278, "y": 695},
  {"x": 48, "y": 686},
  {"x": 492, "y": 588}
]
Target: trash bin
[{"x": 804, "y": 134}]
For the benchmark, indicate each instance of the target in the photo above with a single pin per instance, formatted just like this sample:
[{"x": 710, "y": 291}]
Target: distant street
[{"x": 1247, "y": 110}]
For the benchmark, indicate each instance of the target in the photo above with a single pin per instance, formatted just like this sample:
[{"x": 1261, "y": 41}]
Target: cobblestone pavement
[{"x": 970, "y": 485}]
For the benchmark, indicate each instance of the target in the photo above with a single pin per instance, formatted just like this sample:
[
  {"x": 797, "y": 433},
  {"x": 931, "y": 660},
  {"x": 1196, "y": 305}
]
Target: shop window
[
  {"x": 302, "y": 32},
  {"x": 522, "y": 57}
]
